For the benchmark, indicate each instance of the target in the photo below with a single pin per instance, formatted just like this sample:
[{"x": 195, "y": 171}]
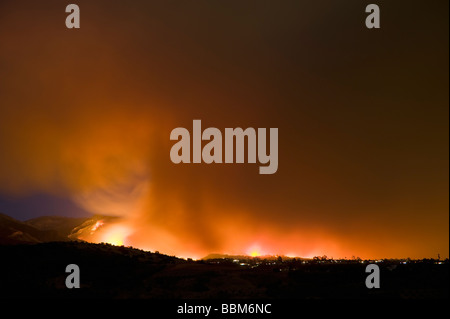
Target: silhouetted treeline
[{"x": 106, "y": 271}]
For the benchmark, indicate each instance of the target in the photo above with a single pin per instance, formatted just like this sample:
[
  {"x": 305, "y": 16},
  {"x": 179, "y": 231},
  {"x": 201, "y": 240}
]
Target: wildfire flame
[
  {"x": 98, "y": 224},
  {"x": 254, "y": 251},
  {"x": 116, "y": 235}
]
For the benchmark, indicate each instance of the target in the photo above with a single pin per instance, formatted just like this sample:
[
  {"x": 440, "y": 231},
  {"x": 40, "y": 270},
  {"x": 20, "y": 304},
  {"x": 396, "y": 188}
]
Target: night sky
[{"x": 86, "y": 115}]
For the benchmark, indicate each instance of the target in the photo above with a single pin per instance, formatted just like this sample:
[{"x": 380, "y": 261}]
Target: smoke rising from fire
[{"x": 87, "y": 115}]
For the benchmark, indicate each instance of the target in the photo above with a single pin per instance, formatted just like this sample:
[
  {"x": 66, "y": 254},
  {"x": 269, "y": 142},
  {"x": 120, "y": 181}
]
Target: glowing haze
[{"x": 363, "y": 134}]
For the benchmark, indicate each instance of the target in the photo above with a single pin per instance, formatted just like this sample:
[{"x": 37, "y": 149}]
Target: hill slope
[
  {"x": 14, "y": 232},
  {"x": 62, "y": 225},
  {"x": 106, "y": 271}
]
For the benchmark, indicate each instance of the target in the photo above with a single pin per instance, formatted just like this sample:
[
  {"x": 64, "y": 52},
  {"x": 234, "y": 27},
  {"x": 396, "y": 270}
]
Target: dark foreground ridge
[{"x": 106, "y": 271}]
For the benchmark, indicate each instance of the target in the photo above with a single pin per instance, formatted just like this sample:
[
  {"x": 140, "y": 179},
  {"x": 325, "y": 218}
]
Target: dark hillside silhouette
[{"x": 38, "y": 271}]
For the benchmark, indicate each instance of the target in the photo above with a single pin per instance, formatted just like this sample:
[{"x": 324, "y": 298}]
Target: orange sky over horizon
[{"x": 86, "y": 116}]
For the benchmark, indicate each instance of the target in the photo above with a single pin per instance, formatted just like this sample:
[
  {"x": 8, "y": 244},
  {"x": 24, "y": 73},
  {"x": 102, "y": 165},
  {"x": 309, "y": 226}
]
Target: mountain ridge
[{"x": 13, "y": 231}]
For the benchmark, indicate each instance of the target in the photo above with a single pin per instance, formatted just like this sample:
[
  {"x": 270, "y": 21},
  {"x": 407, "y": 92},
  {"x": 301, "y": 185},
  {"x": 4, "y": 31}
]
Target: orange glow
[
  {"x": 115, "y": 240},
  {"x": 96, "y": 226},
  {"x": 97, "y": 131},
  {"x": 116, "y": 235},
  {"x": 254, "y": 251}
]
